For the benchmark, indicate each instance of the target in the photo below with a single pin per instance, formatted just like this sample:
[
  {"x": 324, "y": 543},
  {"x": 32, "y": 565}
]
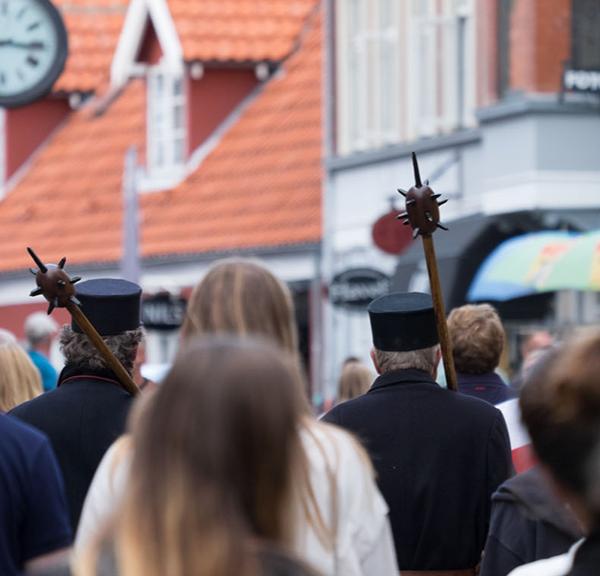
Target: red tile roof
[
  {"x": 260, "y": 187},
  {"x": 93, "y": 28},
  {"x": 238, "y": 30}
]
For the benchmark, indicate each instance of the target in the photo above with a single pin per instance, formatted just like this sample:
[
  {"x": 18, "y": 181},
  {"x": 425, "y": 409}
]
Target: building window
[
  {"x": 167, "y": 129},
  {"x": 405, "y": 70},
  {"x": 585, "y": 35},
  {"x": 369, "y": 83}
]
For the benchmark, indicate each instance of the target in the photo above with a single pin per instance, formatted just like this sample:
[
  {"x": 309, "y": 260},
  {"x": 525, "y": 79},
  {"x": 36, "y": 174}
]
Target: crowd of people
[{"x": 222, "y": 469}]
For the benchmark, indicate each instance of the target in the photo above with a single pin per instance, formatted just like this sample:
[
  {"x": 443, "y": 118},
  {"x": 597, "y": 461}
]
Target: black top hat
[
  {"x": 403, "y": 321},
  {"x": 110, "y": 304}
]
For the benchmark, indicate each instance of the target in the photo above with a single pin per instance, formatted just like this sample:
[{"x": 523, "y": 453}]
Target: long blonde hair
[
  {"x": 355, "y": 380},
  {"x": 20, "y": 380},
  {"x": 242, "y": 297},
  {"x": 216, "y": 455}
]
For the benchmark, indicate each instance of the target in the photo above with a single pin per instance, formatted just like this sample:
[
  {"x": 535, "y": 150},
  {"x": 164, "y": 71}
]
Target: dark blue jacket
[
  {"x": 82, "y": 417},
  {"x": 439, "y": 456},
  {"x": 528, "y": 523},
  {"x": 488, "y": 387}
]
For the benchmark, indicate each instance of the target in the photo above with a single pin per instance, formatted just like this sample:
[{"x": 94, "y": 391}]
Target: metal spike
[
  {"x": 416, "y": 171},
  {"x": 410, "y": 202},
  {"x": 74, "y": 300},
  {"x": 75, "y": 279},
  {"x": 61, "y": 282},
  {"x": 36, "y": 259},
  {"x": 51, "y": 307},
  {"x": 416, "y": 232},
  {"x": 435, "y": 196},
  {"x": 442, "y": 227},
  {"x": 33, "y": 271},
  {"x": 403, "y": 192},
  {"x": 441, "y": 202},
  {"x": 62, "y": 262},
  {"x": 428, "y": 216},
  {"x": 402, "y": 215},
  {"x": 406, "y": 222},
  {"x": 427, "y": 182},
  {"x": 36, "y": 292}
]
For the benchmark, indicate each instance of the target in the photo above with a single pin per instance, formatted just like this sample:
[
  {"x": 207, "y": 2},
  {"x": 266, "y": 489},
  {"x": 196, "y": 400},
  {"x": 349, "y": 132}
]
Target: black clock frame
[{"x": 44, "y": 86}]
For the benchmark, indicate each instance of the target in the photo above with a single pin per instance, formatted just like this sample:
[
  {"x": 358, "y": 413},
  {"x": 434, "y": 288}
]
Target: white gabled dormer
[{"x": 149, "y": 47}]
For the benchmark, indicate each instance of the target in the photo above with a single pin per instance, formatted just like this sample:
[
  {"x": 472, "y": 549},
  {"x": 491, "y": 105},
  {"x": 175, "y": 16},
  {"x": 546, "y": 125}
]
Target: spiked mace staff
[
  {"x": 58, "y": 288},
  {"x": 423, "y": 215}
]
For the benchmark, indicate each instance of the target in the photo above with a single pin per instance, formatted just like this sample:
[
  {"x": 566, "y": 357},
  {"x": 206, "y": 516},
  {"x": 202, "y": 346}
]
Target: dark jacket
[
  {"x": 488, "y": 387},
  {"x": 528, "y": 523},
  {"x": 587, "y": 557},
  {"x": 439, "y": 456},
  {"x": 82, "y": 417}
]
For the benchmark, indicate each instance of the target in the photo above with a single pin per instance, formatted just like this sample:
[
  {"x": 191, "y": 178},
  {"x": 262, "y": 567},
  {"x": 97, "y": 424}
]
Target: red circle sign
[{"x": 390, "y": 235}]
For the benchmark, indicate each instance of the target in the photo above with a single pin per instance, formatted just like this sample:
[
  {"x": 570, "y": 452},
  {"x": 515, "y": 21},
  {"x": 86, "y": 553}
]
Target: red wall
[
  {"x": 150, "y": 51},
  {"x": 13, "y": 317},
  {"x": 28, "y": 127},
  {"x": 212, "y": 98}
]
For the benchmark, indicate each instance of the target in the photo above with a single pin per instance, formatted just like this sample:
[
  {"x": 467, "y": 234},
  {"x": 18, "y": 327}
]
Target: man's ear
[{"x": 374, "y": 360}]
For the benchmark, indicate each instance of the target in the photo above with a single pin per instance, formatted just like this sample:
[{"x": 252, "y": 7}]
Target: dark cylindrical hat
[
  {"x": 110, "y": 304},
  {"x": 403, "y": 321}
]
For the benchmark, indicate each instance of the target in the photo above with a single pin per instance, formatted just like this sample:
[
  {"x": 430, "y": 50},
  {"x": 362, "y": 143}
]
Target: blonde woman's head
[
  {"x": 20, "y": 380},
  {"x": 355, "y": 380},
  {"x": 242, "y": 297}
]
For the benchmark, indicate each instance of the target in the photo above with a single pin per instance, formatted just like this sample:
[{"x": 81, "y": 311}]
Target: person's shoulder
[
  {"x": 14, "y": 429},
  {"x": 20, "y": 442},
  {"x": 472, "y": 405},
  {"x": 39, "y": 404},
  {"x": 348, "y": 407}
]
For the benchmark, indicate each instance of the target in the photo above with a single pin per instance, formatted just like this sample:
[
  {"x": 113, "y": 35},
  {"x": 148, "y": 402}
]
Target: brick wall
[{"x": 540, "y": 41}]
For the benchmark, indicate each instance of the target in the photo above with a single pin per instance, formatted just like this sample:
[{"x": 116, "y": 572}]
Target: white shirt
[
  {"x": 555, "y": 566},
  {"x": 344, "y": 487}
]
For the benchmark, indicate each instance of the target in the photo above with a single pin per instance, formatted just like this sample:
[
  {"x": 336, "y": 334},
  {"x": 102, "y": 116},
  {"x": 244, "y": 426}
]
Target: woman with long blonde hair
[
  {"x": 215, "y": 454},
  {"x": 20, "y": 380},
  {"x": 344, "y": 528},
  {"x": 340, "y": 524}
]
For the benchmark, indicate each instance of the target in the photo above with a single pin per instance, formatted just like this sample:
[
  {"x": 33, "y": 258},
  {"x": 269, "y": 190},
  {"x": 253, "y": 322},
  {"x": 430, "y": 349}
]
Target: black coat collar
[
  {"x": 408, "y": 376},
  {"x": 72, "y": 372}
]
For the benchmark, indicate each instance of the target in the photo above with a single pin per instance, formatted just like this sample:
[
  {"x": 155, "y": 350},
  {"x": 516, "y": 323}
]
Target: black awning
[{"x": 462, "y": 249}]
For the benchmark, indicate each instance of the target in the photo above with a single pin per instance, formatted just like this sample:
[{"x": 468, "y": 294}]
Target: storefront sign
[
  {"x": 163, "y": 312},
  {"x": 582, "y": 80},
  {"x": 356, "y": 287},
  {"x": 390, "y": 235}
]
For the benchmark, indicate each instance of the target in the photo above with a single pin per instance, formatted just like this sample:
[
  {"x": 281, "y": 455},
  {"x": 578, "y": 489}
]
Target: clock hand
[{"x": 26, "y": 45}]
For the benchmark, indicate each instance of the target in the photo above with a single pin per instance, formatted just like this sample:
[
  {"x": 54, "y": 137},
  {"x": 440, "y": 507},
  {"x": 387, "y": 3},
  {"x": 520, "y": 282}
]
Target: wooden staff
[
  {"x": 58, "y": 288},
  {"x": 423, "y": 215}
]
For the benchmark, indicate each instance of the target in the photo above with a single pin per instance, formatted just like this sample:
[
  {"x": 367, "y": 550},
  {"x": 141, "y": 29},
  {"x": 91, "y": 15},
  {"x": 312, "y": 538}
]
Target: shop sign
[
  {"x": 390, "y": 235},
  {"x": 163, "y": 311},
  {"x": 582, "y": 80},
  {"x": 356, "y": 287}
]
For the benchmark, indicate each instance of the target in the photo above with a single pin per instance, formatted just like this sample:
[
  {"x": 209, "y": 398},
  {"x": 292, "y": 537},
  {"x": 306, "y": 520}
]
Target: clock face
[{"x": 33, "y": 50}]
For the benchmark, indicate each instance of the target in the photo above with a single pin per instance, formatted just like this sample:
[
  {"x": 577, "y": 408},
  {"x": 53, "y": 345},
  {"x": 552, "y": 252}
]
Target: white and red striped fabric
[{"x": 520, "y": 443}]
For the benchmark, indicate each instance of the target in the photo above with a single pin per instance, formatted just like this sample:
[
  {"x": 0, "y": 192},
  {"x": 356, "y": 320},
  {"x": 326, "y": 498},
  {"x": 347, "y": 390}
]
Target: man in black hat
[
  {"x": 88, "y": 410},
  {"x": 439, "y": 455}
]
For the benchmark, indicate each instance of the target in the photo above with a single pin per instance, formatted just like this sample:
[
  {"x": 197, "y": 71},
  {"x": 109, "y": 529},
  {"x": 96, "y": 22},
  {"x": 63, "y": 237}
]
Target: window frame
[
  {"x": 425, "y": 30},
  {"x": 161, "y": 128}
]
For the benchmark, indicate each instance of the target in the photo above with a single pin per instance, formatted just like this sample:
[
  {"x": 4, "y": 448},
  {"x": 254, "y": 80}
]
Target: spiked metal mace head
[
  {"x": 53, "y": 283},
  {"x": 422, "y": 205}
]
